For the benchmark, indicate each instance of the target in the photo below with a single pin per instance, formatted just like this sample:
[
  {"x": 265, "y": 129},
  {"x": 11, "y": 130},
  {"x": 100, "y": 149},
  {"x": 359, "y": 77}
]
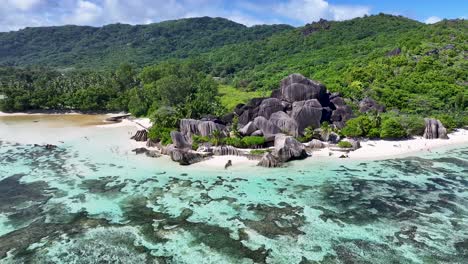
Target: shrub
[
  {"x": 345, "y": 144},
  {"x": 258, "y": 151},
  {"x": 235, "y": 142},
  {"x": 253, "y": 141},
  {"x": 358, "y": 127},
  {"x": 414, "y": 125},
  {"x": 374, "y": 133},
  {"x": 162, "y": 134},
  {"x": 199, "y": 139},
  {"x": 391, "y": 128}
]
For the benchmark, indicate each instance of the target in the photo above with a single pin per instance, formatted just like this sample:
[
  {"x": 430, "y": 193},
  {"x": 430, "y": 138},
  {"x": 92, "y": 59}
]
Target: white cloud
[
  {"x": 312, "y": 10},
  {"x": 16, "y": 14},
  {"x": 23, "y": 4},
  {"x": 432, "y": 20}
]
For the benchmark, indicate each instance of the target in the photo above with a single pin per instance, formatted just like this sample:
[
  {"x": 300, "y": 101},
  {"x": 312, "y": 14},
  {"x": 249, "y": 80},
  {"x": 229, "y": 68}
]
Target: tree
[{"x": 392, "y": 129}]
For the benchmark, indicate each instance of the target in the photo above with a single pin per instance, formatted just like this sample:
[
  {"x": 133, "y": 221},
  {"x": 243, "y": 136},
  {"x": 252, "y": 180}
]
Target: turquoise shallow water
[{"x": 93, "y": 201}]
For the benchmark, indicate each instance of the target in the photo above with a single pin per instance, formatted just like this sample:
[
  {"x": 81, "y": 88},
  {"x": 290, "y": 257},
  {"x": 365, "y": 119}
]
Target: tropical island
[
  {"x": 329, "y": 142},
  {"x": 236, "y": 90}
]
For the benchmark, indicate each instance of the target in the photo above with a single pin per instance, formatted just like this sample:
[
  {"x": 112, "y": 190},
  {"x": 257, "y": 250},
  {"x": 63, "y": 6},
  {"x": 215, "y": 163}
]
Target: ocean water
[{"x": 92, "y": 200}]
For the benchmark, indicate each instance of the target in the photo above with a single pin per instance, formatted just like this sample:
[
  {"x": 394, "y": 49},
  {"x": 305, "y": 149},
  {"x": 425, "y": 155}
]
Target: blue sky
[{"x": 17, "y": 14}]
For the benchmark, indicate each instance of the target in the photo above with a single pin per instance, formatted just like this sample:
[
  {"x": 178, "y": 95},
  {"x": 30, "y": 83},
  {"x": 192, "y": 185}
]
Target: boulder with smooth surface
[
  {"x": 288, "y": 148},
  {"x": 307, "y": 113}
]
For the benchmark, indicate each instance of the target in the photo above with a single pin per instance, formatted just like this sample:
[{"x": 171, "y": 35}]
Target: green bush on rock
[{"x": 345, "y": 144}]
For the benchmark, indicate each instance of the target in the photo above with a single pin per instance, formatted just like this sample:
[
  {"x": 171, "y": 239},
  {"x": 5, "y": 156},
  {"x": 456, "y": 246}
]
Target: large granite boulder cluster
[
  {"x": 190, "y": 127},
  {"x": 298, "y": 103}
]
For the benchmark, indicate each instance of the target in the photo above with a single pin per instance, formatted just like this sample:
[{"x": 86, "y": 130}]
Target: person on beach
[{"x": 228, "y": 164}]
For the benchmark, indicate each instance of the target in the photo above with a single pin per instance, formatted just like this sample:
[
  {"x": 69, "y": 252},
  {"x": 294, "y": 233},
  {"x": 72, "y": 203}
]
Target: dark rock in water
[
  {"x": 179, "y": 140},
  {"x": 153, "y": 154},
  {"x": 270, "y": 161},
  {"x": 139, "y": 151},
  {"x": 288, "y": 148},
  {"x": 394, "y": 52},
  {"x": 248, "y": 129},
  {"x": 307, "y": 113},
  {"x": 225, "y": 151},
  {"x": 343, "y": 156},
  {"x": 267, "y": 127},
  {"x": 140, "y": 135},
  {"x": 296, "y": 87},
  {"x": 270, "y": 106},
  {"x": 434, "y": 129},
  {"x": 369, "y": 104},
  {"x": 285, "y": 123},
  {"x": 147, "y": 152},
  {"x": 50, "y": 146}
]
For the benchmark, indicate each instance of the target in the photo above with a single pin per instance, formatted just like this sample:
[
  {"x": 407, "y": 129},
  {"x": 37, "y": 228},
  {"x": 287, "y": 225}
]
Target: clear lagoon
[{"x": 92, "y": 200}]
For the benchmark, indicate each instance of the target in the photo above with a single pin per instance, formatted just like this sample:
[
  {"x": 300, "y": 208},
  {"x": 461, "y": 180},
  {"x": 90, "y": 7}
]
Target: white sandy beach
[{"x": 370, "y": 149}]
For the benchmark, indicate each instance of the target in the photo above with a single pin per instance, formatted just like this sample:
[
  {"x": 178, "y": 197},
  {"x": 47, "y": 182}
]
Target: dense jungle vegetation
[{"x": 175, "y": 69}]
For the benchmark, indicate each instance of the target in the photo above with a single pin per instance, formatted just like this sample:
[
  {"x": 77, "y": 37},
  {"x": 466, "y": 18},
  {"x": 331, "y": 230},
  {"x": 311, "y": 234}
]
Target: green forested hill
[
  {"x": 406, "y": 65},
  {"x": 111, "y": 45},
  {"x": 430, "y": 71}
]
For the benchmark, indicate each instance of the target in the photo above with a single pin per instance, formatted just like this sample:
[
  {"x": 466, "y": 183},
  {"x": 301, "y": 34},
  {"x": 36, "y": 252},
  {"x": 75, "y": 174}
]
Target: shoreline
[{"x": 370, "y": 149}]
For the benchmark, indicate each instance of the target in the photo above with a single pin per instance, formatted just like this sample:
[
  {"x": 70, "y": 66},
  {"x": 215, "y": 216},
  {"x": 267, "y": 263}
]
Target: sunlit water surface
[{"x": 92, "y": 200}]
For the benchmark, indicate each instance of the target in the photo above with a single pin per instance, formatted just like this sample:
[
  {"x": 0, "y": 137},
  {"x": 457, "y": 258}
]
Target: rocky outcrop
[
  {"x": 285, "y": 123},
  {"x": 189, "y": 127},
  {"x": 226, "y": 151},
  {"x": 368, "y": 104},
  {"x": 248, "y": 129},
  {"x": 307, "y": 113},
  {"x": 147, "y": 152},
  {"x": 341, "y": 112},
  {"x": 185, "y": 157},
  {"x": 288, "y": 148},
  {"x": 356, "y": 144},
  {"x": 179, "y": 140},
  {"x": 434, "y": 129},
  {"x": 269, "y": 106},
  {"x": 296, "y": 87},
  {"x": 257, "y": 133},
  {"x": 315, "y": 144},
  {"x": 394, "y": 52},
  {"x": 267, "y": 127},
  {"x": 140, "y": 135},
  {"x": 270, "y": 161},
  {"x": 206, "y": 128}
]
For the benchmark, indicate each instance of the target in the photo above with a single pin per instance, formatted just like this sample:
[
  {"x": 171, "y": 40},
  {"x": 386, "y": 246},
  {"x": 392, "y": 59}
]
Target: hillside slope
[
  {"x": 111, "y": 45},
  {"x": 404, "y": 64}
]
